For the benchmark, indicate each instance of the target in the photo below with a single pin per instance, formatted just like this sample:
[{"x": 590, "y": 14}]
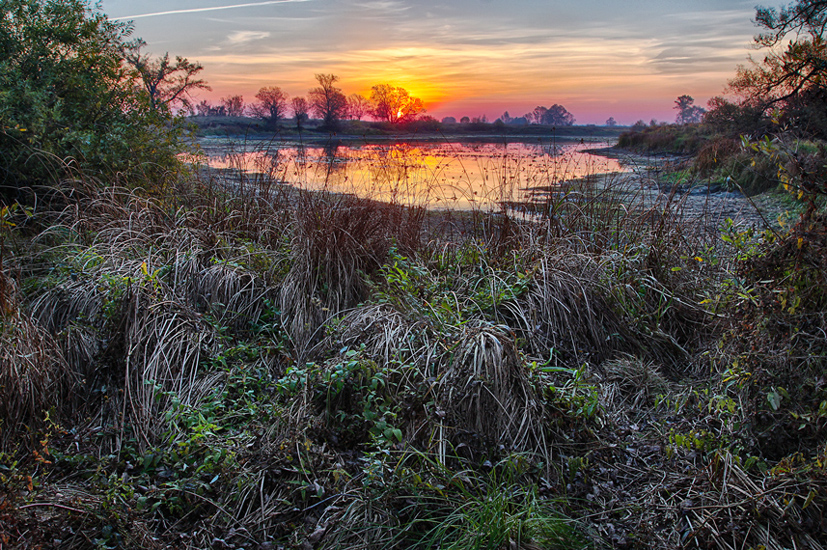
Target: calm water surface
[{"x": 451, "y": 174}]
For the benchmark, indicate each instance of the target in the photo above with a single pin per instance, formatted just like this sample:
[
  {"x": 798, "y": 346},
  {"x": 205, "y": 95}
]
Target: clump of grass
[
  {"x": 498, "y": 510},
  {"x": 339, "y": 241},
  {"x": 485, "y": 391},
  {"x": 631, "y": 384},
  {"x": 34, "y": 377},
  {"x": 566, "y": 309}
]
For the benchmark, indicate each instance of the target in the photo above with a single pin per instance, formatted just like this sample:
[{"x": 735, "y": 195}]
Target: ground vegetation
[{"x": 223, "y": 361}]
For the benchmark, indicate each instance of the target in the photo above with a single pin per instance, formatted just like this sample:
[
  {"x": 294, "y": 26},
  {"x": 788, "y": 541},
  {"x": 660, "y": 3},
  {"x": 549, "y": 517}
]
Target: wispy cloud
[
  {"x": 466, "y": 56},
  {"x": 243, "y": 37},
  {"x": 213, "y": 8}
]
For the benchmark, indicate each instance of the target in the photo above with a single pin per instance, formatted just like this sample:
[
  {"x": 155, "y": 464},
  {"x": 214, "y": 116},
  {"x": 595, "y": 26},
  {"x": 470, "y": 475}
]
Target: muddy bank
[{"x": 643, "y": 187}]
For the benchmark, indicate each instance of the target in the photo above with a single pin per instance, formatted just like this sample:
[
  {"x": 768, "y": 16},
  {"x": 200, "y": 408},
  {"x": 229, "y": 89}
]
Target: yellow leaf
[
  {"x": 800, "y": 242},
  {"x": 144, "y": 269}
]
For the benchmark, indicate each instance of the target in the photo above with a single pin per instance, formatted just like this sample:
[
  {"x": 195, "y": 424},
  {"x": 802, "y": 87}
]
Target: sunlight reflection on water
[{"x": 454, "y": 174}]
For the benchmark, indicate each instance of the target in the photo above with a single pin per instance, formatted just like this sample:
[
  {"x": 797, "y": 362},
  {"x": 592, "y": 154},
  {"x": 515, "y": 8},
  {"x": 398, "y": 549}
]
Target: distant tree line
[{"x": 387, "y": 103}]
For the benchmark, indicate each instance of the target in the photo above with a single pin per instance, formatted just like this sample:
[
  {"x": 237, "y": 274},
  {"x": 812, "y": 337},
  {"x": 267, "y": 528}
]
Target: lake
[{"x": 435, "y": 174}]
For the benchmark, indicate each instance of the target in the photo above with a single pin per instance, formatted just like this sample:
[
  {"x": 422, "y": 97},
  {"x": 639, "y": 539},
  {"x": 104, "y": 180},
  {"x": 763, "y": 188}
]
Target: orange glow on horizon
[
  {"x": 592, "y": 83},
  {"x": 465, "y": 58}
]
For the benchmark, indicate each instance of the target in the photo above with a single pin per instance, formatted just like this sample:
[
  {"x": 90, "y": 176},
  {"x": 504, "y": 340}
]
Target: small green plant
[
  {"x": 364, "y": 383},
  {"x": 571, "y": 391},
  {"x": 499, "y": 511}
]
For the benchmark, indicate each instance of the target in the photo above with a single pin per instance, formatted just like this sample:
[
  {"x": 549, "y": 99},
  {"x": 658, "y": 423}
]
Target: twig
[{"x": 52, "y": 505}]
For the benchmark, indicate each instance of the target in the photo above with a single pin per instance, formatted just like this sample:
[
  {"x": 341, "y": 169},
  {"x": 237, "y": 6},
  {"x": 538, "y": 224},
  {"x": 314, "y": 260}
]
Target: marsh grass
[
  {"x": 254, "y": 365},
  {"x": 35, "y": 379}
]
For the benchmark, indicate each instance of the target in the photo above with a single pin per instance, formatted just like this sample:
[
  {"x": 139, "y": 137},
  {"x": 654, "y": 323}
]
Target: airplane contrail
[{"x": 214, "y": 8}]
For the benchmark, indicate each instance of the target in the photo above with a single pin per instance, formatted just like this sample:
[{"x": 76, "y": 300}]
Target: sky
[{"x": 627, "y": 59}]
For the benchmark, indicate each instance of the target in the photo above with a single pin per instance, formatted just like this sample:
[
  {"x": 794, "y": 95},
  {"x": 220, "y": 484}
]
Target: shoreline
[
  {"x": 349, "y": 139},
  {"x": 639, "y": 182}
]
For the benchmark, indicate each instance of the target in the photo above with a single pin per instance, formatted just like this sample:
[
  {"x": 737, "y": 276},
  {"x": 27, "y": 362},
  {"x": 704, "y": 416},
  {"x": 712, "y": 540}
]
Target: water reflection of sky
[{"x": 436, "y": 175}]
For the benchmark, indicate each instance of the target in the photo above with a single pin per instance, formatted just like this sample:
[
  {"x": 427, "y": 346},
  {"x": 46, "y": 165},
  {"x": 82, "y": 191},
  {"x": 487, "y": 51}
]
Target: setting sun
[{"x": 464, "y": 58}]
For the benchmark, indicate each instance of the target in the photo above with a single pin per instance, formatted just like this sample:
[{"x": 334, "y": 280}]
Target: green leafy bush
[{"x": 69, "y": 100}]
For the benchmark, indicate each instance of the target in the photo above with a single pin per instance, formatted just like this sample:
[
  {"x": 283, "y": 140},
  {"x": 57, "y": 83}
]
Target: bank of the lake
[{"x": 250, "y": 128}]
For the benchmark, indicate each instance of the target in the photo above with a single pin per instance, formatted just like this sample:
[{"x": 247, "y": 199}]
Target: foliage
[
  {"x": 665, "y": 139},
  {"x": 790, "y": 77},
  {"x": 394, "y": 105},
  {"x": 801, "y": 172},
  {"x": 69, "y": 100},
  {"x": 733, "y": 119}
]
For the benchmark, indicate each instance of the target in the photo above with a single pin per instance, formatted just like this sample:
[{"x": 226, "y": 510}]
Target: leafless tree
[
  {"x": 300, "y": 109},
  {"x": 327, "y": 101},
  {"x": 234, "y": 105},
  {"x": 166, "y": 83},
  {"x": 357, "y": 106},
  {"x": 271, "y": 106}
]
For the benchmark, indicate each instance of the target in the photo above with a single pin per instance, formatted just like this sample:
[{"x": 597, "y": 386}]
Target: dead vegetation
[{"x": 259, "y": 368}]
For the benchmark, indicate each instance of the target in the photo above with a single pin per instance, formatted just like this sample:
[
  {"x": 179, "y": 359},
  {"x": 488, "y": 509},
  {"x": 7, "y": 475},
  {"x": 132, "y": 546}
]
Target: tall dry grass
[
  {"x": 35, "y": 380},
  {"x": 475, "y": 334},
  {"x": 339, "y": 242}
]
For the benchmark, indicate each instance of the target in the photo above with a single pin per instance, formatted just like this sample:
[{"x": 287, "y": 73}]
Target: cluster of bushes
[{"x": 665, "y": 139}]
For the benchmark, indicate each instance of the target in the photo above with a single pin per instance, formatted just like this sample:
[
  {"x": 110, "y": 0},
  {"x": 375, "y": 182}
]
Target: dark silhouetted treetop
[
  {"x": 395, "y": 104},
  {"x": 300, "y": 108},
  {"x": 168, "y": 84},
  {"x": 688, "y": 112},
  {"x": 556, "y": 115},
  {"x": 234, "y": 105},
  {"x": 271, "y": 106},
  {"x": 804, "y": 17},
  {"x": 327, "y": 101}
]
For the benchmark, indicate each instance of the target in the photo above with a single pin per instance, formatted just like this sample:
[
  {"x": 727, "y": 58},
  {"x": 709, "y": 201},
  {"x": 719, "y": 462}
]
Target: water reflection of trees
[
  {"x": 404, "y": 173},
  {"x": 332, "y": 167},
  {"x": 269, "y": 164},
  {"x": 438, "y": 175}
]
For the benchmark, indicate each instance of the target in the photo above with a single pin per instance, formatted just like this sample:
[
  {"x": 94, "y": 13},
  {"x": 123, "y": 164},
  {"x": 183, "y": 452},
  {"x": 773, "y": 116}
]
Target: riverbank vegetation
[
  {"x": 193, "y": 364},
  {"x": 770, "y": 124}
]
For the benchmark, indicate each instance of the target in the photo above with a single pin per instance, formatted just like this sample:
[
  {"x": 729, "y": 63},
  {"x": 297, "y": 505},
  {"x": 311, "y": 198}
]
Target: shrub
[
  {"x": 69, "y": 100},
  {"x": 671, "y": 139}
]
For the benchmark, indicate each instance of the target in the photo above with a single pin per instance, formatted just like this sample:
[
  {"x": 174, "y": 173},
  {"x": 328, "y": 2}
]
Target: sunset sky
[{"x": 599, "y": 58}]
